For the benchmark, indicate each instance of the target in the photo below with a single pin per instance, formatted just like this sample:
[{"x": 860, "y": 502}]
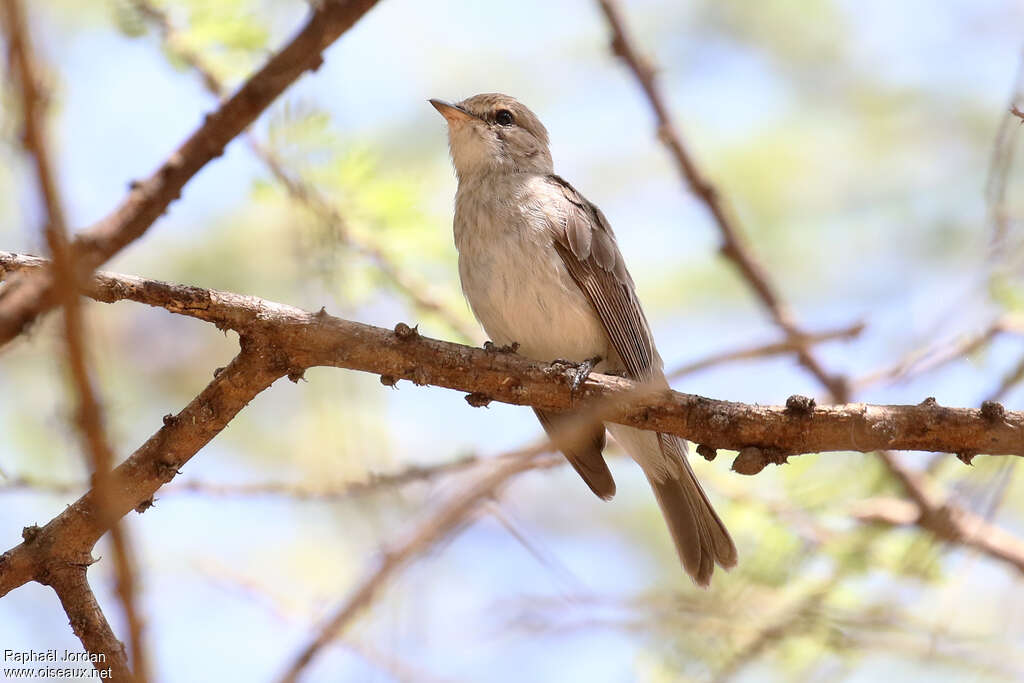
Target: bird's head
[{"x": 495, "y": 133}]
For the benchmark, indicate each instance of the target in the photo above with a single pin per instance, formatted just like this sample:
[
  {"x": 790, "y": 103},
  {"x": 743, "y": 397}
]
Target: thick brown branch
[
  {"x": 304, "y": 340},
  {"x": 87, "y": 620},
  {"x": 69, "y": 537},
  {"x": 23, "y": 65},
  {"x": 23, "y": 299}
]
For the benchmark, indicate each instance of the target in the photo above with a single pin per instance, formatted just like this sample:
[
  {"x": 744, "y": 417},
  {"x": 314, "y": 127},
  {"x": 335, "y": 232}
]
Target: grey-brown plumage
[{"x": 540, "y": 266}]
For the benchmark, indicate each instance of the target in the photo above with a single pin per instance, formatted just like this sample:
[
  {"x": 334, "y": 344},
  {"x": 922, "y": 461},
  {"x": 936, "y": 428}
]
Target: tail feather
[{"x": 700, "y": 537}]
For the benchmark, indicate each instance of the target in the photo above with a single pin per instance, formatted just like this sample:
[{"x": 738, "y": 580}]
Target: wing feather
[{"x": 600, "y": 272}]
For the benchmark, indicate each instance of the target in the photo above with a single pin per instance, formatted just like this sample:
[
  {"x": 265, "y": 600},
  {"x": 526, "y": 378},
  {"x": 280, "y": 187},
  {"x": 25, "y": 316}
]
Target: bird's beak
[{"x": 451, "y": 112}]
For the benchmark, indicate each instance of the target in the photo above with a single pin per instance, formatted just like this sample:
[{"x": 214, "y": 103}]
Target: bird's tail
[{"x": 700, "y": 537}]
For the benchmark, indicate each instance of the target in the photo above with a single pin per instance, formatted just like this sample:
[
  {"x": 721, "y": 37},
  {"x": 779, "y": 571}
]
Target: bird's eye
[{"x": 503, "y": 117}]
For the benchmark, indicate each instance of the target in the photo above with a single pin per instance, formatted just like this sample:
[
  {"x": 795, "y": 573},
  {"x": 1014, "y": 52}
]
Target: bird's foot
[
  {"x": 491, "y": 347},
  {"x": 579, "y": 371}
]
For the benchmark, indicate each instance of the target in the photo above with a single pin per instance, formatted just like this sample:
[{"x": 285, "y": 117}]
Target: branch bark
[
  {"x": 69, "y": 537},
  {"x": 957, "y": 526},
  {"x": 88, "y": 622},
  {"x": 300, "y": 340},
  {"x": 734, "y": 246},
  {"x": 25, "y": 298},
  {"x": 24, "y": 67}
]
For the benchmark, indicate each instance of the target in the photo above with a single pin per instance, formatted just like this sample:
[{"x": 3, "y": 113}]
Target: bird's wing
[
  {"x": 583, "y": 453},
  {"x": 587, "y": 245}
]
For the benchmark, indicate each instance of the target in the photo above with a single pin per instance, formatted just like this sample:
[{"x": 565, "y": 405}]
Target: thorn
[
  {"x": 707, "y": 452},
  {"x": 966, "y": 458},
  {"x": 993, "y": 411},
  {"x": 800, "y": 405},
  {"x": 216, "y": 373},
  {"x": 170, "y": 419},
  {"x": 145, "y": 505},
  {"x": 322, "y": 312},
  {"x": 30, "y": 533},
  {"x": 753, "y": 459},
  {"x": 405, "y": 333},
  {"x": 388, "y": 380},
  {"x": 295, "y": 374},
  {"x": 478, "y": 399},
  {"x": 929, "y": 402}
]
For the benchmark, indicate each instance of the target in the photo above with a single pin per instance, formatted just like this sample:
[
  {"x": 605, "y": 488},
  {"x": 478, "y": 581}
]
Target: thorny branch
[
  {"x": 279, "y": 340},
  {"x": 305, "y": 193},
  {"x": 70, "y": 536},
  {"x": 25, "y": 298},
  {"x": 25, "y": 70},
  {"x": 763, "y": 434},
  {"x": 734, "y": 248}
]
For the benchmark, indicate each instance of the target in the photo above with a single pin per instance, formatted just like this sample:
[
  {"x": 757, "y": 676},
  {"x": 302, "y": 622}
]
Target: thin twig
[
  {"x": 788, "y": 345},
  {"x": 929, "y": 359},
  {"x": 1001, "y": 162},
  {"x": 24, "y": 298},
  {"x": 1009, "y": 381},
  {"x": 961, "y": 528},
  {"x": 374, "y": 483},
  {"x": 89, "y": 415},
  {"x": 414, "y": 289},
  {"x": 427, "y": 534},
  {"x": 733, "y": 246}
]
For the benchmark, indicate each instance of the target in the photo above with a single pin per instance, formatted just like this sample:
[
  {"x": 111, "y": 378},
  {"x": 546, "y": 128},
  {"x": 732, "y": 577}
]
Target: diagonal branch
[
  {"x": 960, "y": 527},
  {"x": 23, "y": 299},
  {"x": 22, "y": 63},
  {"x": 88, "y": 622},
  {"x": 444, "y": 522},
  {"x": 407, "y": 284},
  {"x": 734, "y": 246},
  {"x": 70, "y": 536},
  {"x": 786, "y": 346}
]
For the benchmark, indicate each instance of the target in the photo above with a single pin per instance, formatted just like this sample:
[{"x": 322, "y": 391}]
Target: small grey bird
[{"x": 540, "y": 267}]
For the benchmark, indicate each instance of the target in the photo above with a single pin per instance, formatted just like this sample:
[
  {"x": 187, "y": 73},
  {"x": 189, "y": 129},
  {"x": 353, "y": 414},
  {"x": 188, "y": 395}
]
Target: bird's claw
[{"x": 580, "y": 371}]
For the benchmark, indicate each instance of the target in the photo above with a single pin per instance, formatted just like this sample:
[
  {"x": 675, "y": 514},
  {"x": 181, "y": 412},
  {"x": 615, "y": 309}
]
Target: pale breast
[{"x": 515, "y": 281}]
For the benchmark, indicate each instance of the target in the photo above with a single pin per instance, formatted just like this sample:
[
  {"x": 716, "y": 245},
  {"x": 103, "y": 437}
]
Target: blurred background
[{"x": 867, "y": 149}]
